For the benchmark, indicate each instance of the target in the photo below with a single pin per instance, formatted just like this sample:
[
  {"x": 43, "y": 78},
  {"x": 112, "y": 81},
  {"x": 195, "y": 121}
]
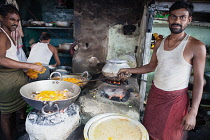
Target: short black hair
[
  {"x": 44, "y": 36},
  {"x": 8, "y": 8},
  {"x": 182, "y": 4}
]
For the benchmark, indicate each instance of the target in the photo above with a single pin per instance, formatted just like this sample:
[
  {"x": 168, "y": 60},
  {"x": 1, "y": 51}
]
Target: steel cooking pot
[
  {"x": 84, "y": 77},
  {"x": 49, "y": 106},
  {"x": 62, "y": 23},
  {"x": 67, "y": 68},
  {"x": 65, "y": 46},
  {"x": 64, "y": 70}
]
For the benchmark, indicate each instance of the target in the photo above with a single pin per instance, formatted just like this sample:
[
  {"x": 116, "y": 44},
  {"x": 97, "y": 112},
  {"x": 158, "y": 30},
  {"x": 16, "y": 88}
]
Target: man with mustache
[
  {"x": 12, "y": 76},
  {"x": 169, "y": 114}
]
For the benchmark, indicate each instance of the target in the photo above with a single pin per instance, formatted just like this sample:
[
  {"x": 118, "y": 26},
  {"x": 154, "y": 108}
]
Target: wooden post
[
  {"x": 146, "y": 54},
  {"x": 146, "y": 59}
]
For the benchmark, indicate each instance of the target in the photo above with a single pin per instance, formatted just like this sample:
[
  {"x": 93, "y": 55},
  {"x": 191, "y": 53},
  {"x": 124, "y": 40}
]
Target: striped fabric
[{"x": 11, "y": 80}]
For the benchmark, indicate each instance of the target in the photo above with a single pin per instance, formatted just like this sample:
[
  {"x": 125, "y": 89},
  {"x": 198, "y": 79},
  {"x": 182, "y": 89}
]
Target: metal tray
[{"x": 114, "y": 126}]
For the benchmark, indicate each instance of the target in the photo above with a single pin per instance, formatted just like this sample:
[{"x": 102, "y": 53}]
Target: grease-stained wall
[
  {"x": 98, "y": 31},
  {"x": 120, "y": 44}
]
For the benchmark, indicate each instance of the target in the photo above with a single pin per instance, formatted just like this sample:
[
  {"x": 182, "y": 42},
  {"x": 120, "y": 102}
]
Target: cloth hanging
[{"x": 17, "y": 36}]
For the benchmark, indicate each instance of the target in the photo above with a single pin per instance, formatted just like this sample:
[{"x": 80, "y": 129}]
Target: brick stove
[
  {"x": 111, "y": 98},
  {"x": 53, "y": 126}
]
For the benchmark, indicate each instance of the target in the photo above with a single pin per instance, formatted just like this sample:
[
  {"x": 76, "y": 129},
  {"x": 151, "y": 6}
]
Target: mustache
[
  {"x": 15, "y": 25},
  {"x": 176, "y": 24}
]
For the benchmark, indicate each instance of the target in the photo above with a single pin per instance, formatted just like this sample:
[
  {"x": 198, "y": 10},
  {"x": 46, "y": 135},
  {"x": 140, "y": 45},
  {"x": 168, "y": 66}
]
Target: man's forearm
[
  {"x": 196, "y": 96},
  {"x": 144, "y": 69},
  {"x": 7, "y": 62}
]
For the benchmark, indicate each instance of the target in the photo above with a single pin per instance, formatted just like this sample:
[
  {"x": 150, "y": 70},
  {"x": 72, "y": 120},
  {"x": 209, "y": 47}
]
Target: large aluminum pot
[
  {"x": 112, "y": 67},
  {"x": 49, "y": 106}
]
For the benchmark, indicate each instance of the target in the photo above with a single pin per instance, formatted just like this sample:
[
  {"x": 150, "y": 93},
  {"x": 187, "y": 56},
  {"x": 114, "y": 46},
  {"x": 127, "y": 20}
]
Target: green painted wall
[{"x": 47, "y": 11}]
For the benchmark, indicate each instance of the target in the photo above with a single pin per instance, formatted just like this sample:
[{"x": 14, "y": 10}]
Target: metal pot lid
[
  {"x": 94, "y": 119},
  {"x": 118, "y": 61}
]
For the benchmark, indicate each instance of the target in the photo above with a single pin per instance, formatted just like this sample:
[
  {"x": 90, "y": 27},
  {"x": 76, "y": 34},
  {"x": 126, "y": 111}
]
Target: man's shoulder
[
  {"x": 157, "y": 43},
  {"x": 3, "y": 36},
  {"x": 197, "y": 46},
  {"x": 51, "y": 46},
  {"x": 195, "y": 42},
  {"x": 2, "y": 33},
  {"x": 34, "y": 45}
]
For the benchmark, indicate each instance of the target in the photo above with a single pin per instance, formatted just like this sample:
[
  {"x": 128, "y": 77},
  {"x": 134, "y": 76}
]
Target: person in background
[
  {"x": 168, "y": 113},
  {"x": 12, "y": 76},
  {"x": 42, "y": 52}
]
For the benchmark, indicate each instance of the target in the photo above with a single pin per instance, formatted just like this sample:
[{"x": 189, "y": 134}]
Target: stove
[
  {"x": 115, "y": 90},
  {"x": 51, "y": 126},
  {"x": 111, "y": 97},
  {"x": 116, "y": 82}
]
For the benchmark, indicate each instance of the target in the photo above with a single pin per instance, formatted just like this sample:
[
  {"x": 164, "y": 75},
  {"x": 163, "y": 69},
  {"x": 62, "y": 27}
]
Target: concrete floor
[{"x": 201, "y": 131}]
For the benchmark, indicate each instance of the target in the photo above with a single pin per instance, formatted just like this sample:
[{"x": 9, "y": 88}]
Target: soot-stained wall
[{"x": 92, "y": 21}]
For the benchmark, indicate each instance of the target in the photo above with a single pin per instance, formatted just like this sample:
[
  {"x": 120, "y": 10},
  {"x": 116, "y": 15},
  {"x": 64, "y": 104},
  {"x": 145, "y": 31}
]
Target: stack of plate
[{"x": 113, "y": 126}]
